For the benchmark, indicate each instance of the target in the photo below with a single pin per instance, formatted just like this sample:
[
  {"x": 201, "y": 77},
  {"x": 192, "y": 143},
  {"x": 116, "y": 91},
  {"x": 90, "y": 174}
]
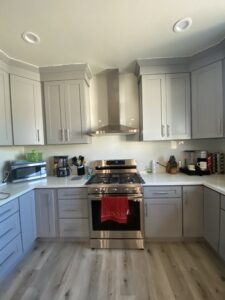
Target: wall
[
  {"x": 115, "y": 147},
  {"x": 120, "y": 146},
  {"x": 9, "y": 153}
]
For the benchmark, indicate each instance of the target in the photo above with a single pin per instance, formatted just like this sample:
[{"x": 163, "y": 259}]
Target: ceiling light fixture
[
  {"x": 30, "y": 37},
  {"x": 182, "y": 25}
]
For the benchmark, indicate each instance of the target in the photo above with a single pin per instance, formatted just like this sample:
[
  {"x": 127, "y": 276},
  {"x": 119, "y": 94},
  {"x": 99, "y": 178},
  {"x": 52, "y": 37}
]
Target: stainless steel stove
[{"x": 116, "y": 178}]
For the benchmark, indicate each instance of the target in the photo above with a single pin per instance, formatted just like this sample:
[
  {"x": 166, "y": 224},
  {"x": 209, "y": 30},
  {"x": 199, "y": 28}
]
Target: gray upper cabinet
[
  {"x": 26, "y": 111},
  {"x": 165, "y": 105},
  {"x": 5, "y": 113},
  {"x": 211, "y": 217},
  {"x": 207, "y": 102},
  {"x": 67, "y": 111}
]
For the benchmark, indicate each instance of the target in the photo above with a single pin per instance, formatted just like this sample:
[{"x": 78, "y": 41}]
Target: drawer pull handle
[
  {"x": 7, "y": 258},
  {"x": 69, "y": 229},
  {"x": 161, "y": 193},
  {"x": 68, "y": 210},
  {"x": 5, "y": 212},
  {"x": 5, "y": 233}
]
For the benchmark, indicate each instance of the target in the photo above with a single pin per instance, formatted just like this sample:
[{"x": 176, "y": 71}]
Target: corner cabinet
[
  {"x": 5, "y": 110},
  {"x": 212, "y": 217},
  {"x": 45, "y": 213},
  {"x": 192, "y": 211},
  {"x": 27, "y": 115},
  {"x": 207, "y": 102},
  {"x": 67, "y": 111},
  {"x": 165, "y": 106}
]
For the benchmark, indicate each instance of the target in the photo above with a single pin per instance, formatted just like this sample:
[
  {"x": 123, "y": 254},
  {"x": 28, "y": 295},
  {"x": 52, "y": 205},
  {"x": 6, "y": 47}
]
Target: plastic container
[{"x": 34, "y": 156}]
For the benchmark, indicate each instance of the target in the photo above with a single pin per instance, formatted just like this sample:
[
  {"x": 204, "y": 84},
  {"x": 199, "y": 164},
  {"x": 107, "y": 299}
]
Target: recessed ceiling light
[
  {"x": 182, "y": 25},
  {"x": 30, "y": 37}
]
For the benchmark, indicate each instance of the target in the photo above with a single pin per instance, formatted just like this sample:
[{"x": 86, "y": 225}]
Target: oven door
[{"x": 134, "y": 228}]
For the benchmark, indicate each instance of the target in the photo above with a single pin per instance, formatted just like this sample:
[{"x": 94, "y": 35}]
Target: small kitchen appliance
[
  {"x": 23, "y": 170},
  {"x": 61, "y": 166},
  {"x": 113, "y": 179}
]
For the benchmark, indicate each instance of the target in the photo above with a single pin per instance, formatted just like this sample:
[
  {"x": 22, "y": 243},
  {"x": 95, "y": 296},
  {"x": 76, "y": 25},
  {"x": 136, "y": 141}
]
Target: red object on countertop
[{"x": 114, "y": 208}]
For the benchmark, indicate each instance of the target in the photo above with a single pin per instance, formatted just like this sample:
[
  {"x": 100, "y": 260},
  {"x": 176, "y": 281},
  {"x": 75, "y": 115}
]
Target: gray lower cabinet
[
  {"x": 163, "y": 212},
  {"x": 28, "y": 220},
  {"x": 211, "y": 217},
  {"x": 10, "y": 237},
  {"x": 222, "y": 228},
  {"x": 45, "y": 213},
  {"x": 192, "y": 211},
  {"x": 72, "y": 207}
]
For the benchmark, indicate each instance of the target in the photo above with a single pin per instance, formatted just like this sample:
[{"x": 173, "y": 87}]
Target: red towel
[{"x": 114, "y": 208}]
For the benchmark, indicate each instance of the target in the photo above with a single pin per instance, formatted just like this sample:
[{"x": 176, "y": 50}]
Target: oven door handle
[{"x": 130, "y": 198}]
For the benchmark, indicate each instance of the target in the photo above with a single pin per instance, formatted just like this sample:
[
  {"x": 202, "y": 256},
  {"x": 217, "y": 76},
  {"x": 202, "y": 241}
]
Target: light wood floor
[{"x": 71, "y": 271}]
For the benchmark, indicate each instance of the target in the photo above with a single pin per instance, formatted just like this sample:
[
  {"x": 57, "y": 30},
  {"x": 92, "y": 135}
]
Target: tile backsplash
[{"x": 115, "y": 147}]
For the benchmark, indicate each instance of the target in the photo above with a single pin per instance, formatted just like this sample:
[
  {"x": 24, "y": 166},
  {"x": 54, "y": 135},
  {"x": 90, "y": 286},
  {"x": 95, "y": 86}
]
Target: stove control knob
[
  {"x": 126, "y": 190},
  {"x": 115, "y": 189},
  {"x": 96, "y": 190},
  {"x": 103, "y": 190}
]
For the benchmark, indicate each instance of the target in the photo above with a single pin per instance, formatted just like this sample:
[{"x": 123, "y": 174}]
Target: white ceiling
[{"x": 106, "y": 33}]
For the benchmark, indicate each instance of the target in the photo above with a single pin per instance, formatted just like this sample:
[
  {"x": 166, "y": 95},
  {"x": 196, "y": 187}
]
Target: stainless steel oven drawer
[{"x": 162, "y": 192}]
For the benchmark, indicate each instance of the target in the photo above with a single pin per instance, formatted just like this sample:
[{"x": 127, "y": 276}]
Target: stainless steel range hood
[{"x": 114, "y": 127}]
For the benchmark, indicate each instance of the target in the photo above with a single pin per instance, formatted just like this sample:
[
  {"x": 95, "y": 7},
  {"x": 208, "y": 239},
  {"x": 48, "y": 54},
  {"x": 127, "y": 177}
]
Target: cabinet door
[
  {"x": 178, "y": 106},
  {"x": 211, "y": 217},
  {"x": 163, "y": 218},
  {"x": 193, "y": 211},
  {"x": 27, "y": 220},
  {"x": 207, "y": 102},
  {"x": 45, "y": 213},
  {"x": 54, "y": 112},
  {"x": 5, "y": 113},
  {"x": 153, "y": 101},
  {"x": 73, "y": 129},
  {"x": 26, "y": 111},
  {"x": 222, "y": 234}
]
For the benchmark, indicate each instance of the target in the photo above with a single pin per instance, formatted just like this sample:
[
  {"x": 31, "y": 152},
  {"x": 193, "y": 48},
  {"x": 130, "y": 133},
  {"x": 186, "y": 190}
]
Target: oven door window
[{"x": 133, "y": 218}]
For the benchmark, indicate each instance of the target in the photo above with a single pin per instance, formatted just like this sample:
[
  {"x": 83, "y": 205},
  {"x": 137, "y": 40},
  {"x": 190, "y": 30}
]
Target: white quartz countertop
[
  {"x": 18, "y": 189},
  {"x": 215, "y": 182}
]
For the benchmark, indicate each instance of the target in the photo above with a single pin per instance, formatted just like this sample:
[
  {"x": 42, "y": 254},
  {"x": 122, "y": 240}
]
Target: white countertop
[{"x": 215, "y": 182}]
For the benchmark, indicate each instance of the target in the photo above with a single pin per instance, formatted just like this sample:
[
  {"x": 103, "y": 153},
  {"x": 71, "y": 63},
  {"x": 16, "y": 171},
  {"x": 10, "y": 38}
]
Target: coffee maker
[{"x": 61, "y": 166}]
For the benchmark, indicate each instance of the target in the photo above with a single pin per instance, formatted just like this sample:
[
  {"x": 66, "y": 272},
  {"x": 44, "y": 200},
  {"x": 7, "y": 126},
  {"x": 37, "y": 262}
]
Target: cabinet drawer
[
  {"x": 162, "y": 192},
  {"x": 73, "y": 208},
  {"x": 223, "y": 202},
  {"x": 9, "y": 256},
  {"x": 72, "y": 193},
  {"x": 9, "y": 228},
  {"x": 8, "y": 209},
  {"x": 73, "y": 228}
]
